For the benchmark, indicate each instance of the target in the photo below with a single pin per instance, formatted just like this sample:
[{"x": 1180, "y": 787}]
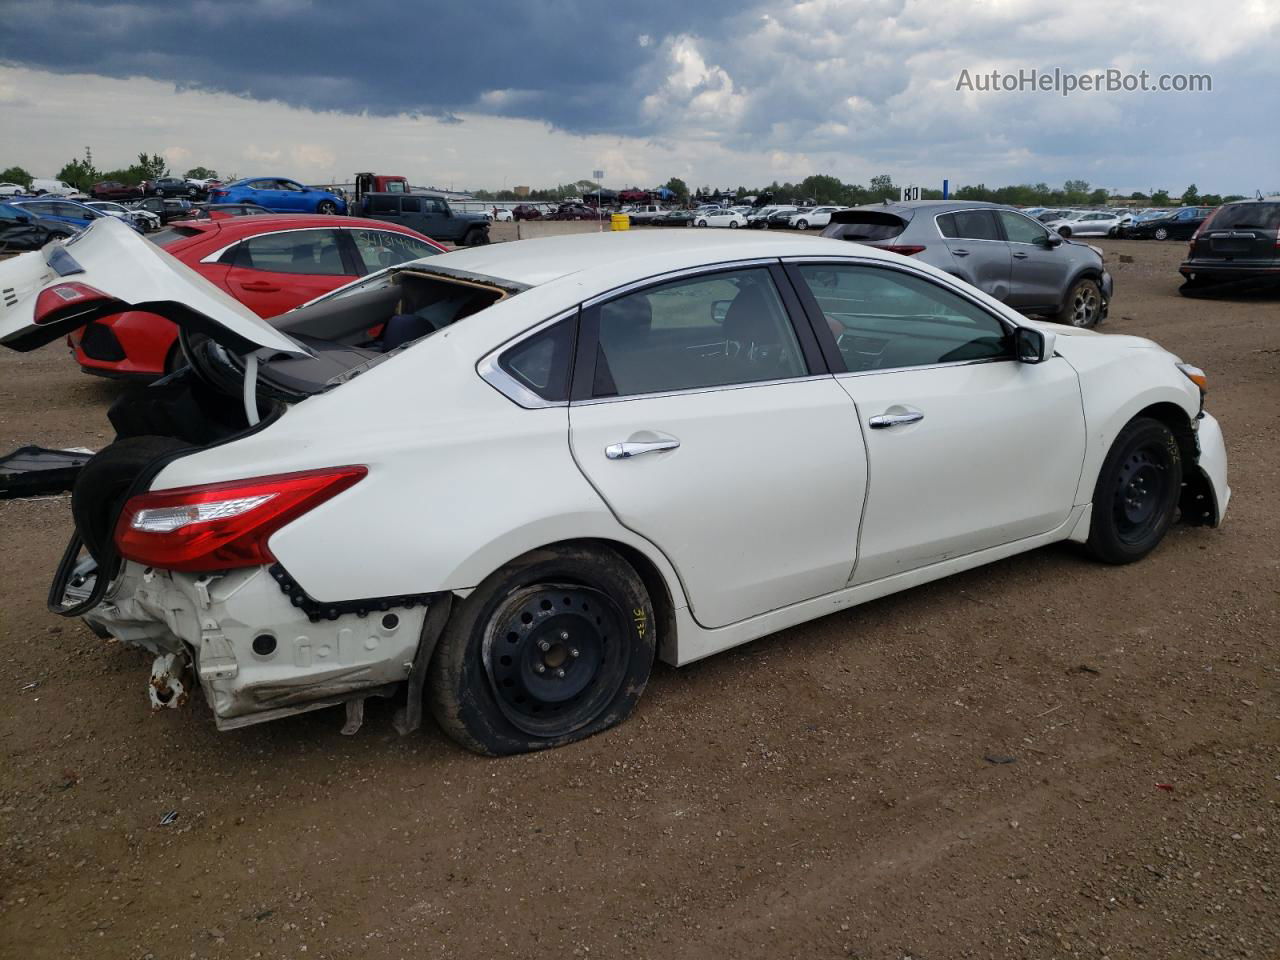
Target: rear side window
[
  {"x": 970, "y": 225},
  {"x": 306, "y": 252},
  {"x": 1257, "y": 216},
  {"x": 410, "y": 205},
  {"x": 543, "y": 363},
  {"x": 384, "y": 205}
]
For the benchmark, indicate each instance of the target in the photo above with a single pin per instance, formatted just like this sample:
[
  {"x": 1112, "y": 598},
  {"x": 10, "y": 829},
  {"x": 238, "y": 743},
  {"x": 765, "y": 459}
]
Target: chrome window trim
[
  {"x": 660, "y": 278},
  {"x": 491, "y": 371},
  {"x": 710, "y": 388},
  {"x": 925, "y": 366}
]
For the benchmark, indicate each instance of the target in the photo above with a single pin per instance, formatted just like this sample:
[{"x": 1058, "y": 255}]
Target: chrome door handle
[
  {"x": 960, "y": 253},
  {"x": 1021, "y": 256},
  {"x": 884, "y": 421},
  {"x": 633, "y": 448}
]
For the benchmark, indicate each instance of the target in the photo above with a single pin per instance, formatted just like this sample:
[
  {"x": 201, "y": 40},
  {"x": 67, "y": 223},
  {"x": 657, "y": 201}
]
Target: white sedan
[
  {"x": 502, "y": 215},
  {"x": 815, "y": 217},
  {"x": 561, "y": 458},
  {"x": 724, "y": 217},
  {"x": 145, "y": 219},
  {"x": 1086, "y": 223},
  {"x": 12, "y": 190}
]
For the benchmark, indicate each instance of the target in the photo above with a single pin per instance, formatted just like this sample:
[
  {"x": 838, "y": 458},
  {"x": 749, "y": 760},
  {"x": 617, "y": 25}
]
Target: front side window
[
  {"x": 707, "y": 331},
  {"x": 384, "y": 205},
  {"x": 410, "y": 205},
  {"x": 307, "y": 252},
  {"x": 1020, "y": 229},
  {"x": 886, "y": 319},
  {"x": 381, "y": 248}
]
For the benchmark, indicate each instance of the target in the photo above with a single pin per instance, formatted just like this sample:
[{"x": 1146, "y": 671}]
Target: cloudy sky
[{"x": 719, "y": 92}]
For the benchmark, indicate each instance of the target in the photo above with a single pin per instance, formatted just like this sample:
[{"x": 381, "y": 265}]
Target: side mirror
[
  {"x": 1033, "y": 346},
  {"x": 1053, "y": 240}
]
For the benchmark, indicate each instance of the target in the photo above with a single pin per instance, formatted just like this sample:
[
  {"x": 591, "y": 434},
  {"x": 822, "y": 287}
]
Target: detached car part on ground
[
  {"x": 998, "y": 249},
  {"x": 547, "y": 469}
]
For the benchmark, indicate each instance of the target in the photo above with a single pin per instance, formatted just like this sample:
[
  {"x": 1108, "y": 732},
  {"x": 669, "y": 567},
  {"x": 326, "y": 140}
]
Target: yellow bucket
[{"x": 620, "y": 221}]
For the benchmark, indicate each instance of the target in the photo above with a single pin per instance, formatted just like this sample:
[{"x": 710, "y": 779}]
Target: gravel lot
[{"x": 821, "y": 793}]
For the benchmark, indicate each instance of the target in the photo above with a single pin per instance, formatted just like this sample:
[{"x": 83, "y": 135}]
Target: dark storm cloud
[{"x": 574, "y": 64}]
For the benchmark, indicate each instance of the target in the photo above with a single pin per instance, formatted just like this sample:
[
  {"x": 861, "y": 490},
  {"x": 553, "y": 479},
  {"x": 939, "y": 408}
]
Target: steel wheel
[
  {"x": 1161, "y": 233},
  {"x": 553, "y": 657},
  {"x": 1141, "y": 490}
]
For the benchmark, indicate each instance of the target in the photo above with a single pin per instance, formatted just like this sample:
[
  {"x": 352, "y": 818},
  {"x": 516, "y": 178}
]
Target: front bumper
[
  {"x": 255, "y": 654},
  {"x": 1213, "y": 463}
]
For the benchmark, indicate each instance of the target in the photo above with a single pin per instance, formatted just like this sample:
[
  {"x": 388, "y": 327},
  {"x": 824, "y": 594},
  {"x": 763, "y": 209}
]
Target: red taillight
[
  {"x": 906, "y": 249},
  {"x": 63, "y": 300},
  {"x": 219, "y": 526}
]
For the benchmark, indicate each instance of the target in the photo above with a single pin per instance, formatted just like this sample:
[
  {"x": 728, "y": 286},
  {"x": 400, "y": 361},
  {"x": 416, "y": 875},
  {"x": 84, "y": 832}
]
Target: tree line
[{"x": 81, "y": 173}]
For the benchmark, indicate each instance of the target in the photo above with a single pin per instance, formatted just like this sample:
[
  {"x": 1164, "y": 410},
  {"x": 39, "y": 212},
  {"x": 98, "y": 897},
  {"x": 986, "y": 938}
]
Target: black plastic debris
[{"x": 34, "y": 471}]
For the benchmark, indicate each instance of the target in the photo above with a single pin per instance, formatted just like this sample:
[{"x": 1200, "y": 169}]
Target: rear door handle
[
  {"x": 1021, "y": 256},
  {"x": 259, "y": 286},
  {"x": 634, "y": 448},
  {"x": 887, "y": 420},
  {"x": 960, "y": 253}
]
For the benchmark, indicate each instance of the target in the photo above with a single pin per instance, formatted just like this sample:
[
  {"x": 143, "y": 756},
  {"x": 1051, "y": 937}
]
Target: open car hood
[{"x": 109, "y": 268}]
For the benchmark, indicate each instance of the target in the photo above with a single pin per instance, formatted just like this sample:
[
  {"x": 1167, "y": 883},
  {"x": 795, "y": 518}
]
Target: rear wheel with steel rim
[
  {"x": 1161, "y": 233},
  {"x": 802, "y": 224},
  {"x": 1137, "y": 492},
  {"x": 1084, "y": 305},
  {"x": 552, "y": 648}
]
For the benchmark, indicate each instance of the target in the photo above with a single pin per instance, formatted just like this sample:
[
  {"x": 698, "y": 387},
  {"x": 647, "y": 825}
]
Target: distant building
[{"x": 521, "y": 191}]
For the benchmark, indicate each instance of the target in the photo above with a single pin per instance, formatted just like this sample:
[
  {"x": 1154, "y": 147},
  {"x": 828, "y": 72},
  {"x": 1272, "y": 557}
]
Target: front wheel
[
  {"x": 733, "y": 224},
  {"x": 1137, "y": 492},
  {"x": 802, "y": 224},
  {"x": 702, "y": 223},
  {"x": 1084, "y": 305},
  {"x": 1161, "y": 233},
  {"x": 327, "y": 207},
  {"x": 552, "y": 648}
]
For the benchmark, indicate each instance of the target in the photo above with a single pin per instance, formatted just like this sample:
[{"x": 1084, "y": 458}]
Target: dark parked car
[
  {"x": 1178, "y": 224},
  {"x": 1240, "y": 241},
  {"x": 577, "y": 211},
  {"x": 998, "y": 249},
  {"x": 526, "y": 211},
  {"x": 167, "y": 209},
  {"x": 673, "y": 218},
  {"x": 174, "y": 187},
  {"x": 428, "y": 214},
  {"x": 23, "y": 230},
  {"x": 114, "y": 190},
  {"x": 70, "y": 213}
]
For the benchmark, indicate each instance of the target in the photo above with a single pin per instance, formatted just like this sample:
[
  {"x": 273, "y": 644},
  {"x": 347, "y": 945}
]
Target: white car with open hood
[{"x": 560, "y": 458}]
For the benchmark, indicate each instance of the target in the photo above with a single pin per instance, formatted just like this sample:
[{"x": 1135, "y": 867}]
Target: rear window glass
[
  {"x": 171, "y": 235},
  {"x": 865, "y": 229},
  {"x": 1260, "y": 216}
]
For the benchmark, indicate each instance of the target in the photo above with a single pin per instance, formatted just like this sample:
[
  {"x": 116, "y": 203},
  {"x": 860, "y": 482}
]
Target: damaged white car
[{"x": 499, "y": 482}]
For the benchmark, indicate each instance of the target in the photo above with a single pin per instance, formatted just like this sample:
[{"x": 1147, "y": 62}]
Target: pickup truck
[
  {"x": 645, "y": 212},
  {"x": 428, "y": 214}
]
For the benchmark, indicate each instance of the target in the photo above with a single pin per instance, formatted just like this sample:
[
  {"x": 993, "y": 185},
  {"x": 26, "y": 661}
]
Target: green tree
[
  {"x": 1076, "y": 191},
  {"x": 1207, "y": 199},
  {"x": 1191, "y": 195},
  {"x": 16, "y": 175},
  {"x": 678, "y": 187},
  {"x": 152, "y": 167},
  {"x": 882, "y": 188},
  {"x": 81, "y": 174},
  {"x": 1160, "y": 198},
  {"x": 201, "y": 173},
  {"x": 1099, "y": 197}
]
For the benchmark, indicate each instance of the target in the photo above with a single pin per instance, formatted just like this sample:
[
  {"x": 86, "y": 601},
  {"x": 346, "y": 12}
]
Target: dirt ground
[{"x": 826, "y": 792}]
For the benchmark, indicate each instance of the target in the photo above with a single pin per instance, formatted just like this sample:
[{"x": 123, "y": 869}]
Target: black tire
[
  {"x": 1161, "y": 233},
  {"x": 1136, "y": 496},
  {"x": 1064, "y": 232},
  {"x": 102, "y": 484},
  {"x": 192, "y": 192},
  {"x": 582, "y": 615},
  {"x": 1113, "y": 232},
  {"x": 802, "y": 224},
  {"x": 327, "y": 208},
  {"x": 1083, "y": 306}
]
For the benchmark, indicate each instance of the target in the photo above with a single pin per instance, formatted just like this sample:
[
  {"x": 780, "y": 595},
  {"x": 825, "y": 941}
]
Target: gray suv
[{"x": 997, "y": 249}]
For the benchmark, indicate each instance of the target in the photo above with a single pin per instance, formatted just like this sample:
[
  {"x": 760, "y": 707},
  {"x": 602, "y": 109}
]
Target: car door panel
[
  {"x": 273, "y": 273},
  {"x": 759, "y": 505},
  {"x": 979, "y": 251},
  {"x": 1038, "y": 277},
  {"x": 995, "y": 458}
]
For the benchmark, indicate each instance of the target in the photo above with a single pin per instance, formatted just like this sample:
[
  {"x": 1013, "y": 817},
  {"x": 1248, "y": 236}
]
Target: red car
[{"x": 271, "y": 264}]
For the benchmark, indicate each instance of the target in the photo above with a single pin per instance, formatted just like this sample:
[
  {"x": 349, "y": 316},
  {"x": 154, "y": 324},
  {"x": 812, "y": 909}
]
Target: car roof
[
  {"x": 593, "y": 260},
  {"x": 231, "y": 229}
]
